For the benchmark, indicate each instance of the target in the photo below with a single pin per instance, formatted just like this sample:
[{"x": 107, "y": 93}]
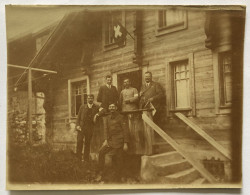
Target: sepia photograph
[{"x": 124, "y": 97}]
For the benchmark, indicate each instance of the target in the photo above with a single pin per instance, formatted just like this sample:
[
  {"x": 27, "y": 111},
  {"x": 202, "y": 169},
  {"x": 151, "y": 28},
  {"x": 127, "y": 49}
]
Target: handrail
[
  {"x": 177, "y": 147},
  {"x": 203, "y": 134}
]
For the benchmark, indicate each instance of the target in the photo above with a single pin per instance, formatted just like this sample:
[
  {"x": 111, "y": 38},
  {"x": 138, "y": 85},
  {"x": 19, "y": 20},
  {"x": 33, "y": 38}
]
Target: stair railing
[
  {"x": 207, "y": 175},
  {"x": 204, "y": 135}
]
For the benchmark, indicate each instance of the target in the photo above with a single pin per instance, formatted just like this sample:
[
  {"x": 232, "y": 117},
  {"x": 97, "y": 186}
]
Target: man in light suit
[
  {"x": 86, "y": 118},
  {"x": 152, "y": 92}
]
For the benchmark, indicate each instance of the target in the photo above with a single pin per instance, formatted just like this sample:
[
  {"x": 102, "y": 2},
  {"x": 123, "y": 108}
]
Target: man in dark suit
[
  {"x": 107, "y": 94},
  {"x": 86, "y": 118},
  {"x": 152, "y": 92},
  {"x": 116, "y": 139}
]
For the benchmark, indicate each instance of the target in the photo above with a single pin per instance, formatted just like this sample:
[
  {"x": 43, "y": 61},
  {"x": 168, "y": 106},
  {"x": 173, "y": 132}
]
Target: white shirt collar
[
  {"x": 109, "y": 86},
  {"x": 90, "y": 105}
]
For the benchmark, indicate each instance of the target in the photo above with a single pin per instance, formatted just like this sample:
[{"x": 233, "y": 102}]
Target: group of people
[{"x": 116, "y": 126}]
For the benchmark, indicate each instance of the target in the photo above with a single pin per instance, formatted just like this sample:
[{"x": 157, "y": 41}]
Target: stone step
[
  {"x": 166, "y": 157},
  {"x": 172, "y": 167},
  {"x": 199, "y": 181},
  {"x": 183, "y": 177},
  {"x": 161, "y": 147}
]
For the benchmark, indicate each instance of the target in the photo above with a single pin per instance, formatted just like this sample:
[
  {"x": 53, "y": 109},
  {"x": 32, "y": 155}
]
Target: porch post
[
  {"x": 148, "y": 135},
  {"x": 30, "y": 105}
]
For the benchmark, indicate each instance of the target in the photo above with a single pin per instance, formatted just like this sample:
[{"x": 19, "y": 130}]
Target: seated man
[{"x": 116, "y": 138}]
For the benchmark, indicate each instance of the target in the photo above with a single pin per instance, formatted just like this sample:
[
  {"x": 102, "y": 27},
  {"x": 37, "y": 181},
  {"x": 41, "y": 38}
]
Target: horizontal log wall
[{"x": 156, "y": 51}]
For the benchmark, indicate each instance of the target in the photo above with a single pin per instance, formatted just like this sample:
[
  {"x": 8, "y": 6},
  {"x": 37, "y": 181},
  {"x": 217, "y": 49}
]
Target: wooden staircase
[
  {"x": 175, "y": 165},
  {"x": 172, "y": 168}
]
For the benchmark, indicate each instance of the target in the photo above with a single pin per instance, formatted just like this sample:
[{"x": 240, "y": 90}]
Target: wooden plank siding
[{"x": 156, "y": 51}]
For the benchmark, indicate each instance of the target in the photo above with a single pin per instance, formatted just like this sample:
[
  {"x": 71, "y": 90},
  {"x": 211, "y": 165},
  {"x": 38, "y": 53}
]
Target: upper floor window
[
  {"x": 170, "y": 17},
  {"x": 225, "y": 74},
  {"x": 110, "y": 19},
  {"x": 171, "y": 20}
]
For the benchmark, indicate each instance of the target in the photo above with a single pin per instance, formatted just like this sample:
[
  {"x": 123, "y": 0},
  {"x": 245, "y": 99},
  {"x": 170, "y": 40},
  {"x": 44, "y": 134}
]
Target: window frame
[
  {"x": 70, "y": 83},
  {"x": 170, "y": 90},
  {"x": 219, "y": 108},
  {"x": 171, "y": 28},
  {"x": 110, "y": 46},
  {"x": 222, "y": 73},
  {"x": 175, "y": 80}
]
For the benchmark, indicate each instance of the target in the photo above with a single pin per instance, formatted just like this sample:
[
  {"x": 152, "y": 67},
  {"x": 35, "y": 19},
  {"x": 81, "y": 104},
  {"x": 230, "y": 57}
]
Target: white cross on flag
[
  {"x": 117, "y": 30},
  {"x": 119, "y": 33}
]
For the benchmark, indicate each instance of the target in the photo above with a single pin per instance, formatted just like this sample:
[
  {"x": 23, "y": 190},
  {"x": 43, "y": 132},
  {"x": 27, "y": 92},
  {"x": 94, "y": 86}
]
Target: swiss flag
[{"x": 119, "y": 33}]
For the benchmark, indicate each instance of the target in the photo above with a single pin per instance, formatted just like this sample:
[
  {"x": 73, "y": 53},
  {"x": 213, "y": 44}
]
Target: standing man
[
  {"x": 87, "y": 115},
  {"x": 152, "y": 92},
  {"x": 107, "y": 94},
  {"x": 115, "y": 139},
  {"x": 129, "y": 101},
  {"x": 128, "y": 97}
]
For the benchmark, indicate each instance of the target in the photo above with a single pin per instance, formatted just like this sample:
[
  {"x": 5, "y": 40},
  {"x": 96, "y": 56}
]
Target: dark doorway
[{"x": 135, "y": 78}]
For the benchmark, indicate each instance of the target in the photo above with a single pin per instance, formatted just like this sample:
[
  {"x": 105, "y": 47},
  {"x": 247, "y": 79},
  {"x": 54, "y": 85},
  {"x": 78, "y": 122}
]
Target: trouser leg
[
  {"x": 79, "y": 144},
  {"x": 102, "y": 154},
  {"x": 88, "y": 138},
  {"x": 119, "y": 162}
]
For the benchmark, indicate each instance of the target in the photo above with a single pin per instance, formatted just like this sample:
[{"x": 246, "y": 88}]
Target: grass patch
[{"x": 41, "y": 164}]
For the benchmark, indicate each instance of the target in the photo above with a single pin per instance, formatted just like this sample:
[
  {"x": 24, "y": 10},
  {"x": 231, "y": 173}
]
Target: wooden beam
[
  {"x": 30, "y": 105},
  {"x": 203, "y": 134},
  {"x": 34, "y": 69},
  {"x": 178, "y": 148},
  {"x": 137, "y": 111}
]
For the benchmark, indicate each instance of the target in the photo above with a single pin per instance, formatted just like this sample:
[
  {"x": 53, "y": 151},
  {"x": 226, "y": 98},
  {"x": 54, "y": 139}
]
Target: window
[
  {"x": 222, "y": 66},
  {"x": 78, "y": 90},
  {"x": 181, "y": 84},
  {"x": 171, "y": 17},
  {"x": 110, "y": 19},
  {"x": 171, "y": 20},
  {"x": 225, "y": 68}
]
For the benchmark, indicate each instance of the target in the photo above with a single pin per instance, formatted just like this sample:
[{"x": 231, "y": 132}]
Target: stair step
[
  {"x": 183, "y": 177},
  {"x": 199, "y": 181},
  {"x": 161, "y": 147},
  {"x": 172, "y": 167},
  {"x": 166, "y": 157}
]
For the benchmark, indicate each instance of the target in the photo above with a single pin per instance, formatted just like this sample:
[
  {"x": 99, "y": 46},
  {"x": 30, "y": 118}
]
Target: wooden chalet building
[{"x": 189, "y": 52}]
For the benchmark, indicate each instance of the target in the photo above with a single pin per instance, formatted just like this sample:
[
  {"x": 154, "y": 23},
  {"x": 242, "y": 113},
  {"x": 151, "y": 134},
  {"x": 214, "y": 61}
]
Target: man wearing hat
[{"x": 86, "y": 118}]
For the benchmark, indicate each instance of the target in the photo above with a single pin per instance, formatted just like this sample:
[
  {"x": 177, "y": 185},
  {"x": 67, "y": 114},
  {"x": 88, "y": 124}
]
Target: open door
[{"x": 135, "y": 78}]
